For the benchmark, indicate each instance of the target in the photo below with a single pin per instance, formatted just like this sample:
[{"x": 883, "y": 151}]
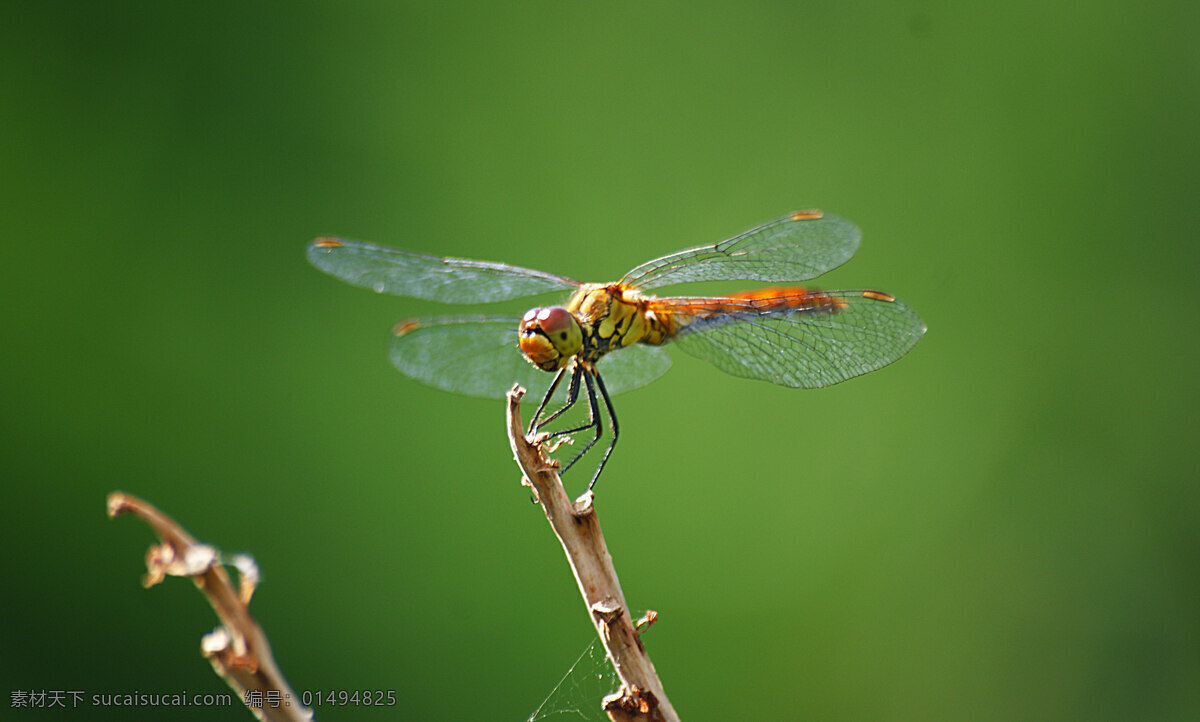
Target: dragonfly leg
[
  {"x": 615, "y": 429},
  {"x": 593, "y": 420},
  {"x": 572, "y": 396},
  {"x": 550, "y": 392},
  {"x": 592, "y": 409}
]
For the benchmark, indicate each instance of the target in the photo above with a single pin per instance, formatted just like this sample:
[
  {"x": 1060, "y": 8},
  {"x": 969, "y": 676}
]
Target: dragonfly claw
[{"x": 555, "y": 446}]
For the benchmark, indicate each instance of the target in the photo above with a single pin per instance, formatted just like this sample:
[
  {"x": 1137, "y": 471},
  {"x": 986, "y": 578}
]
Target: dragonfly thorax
[{"x": 610, "y": 316}]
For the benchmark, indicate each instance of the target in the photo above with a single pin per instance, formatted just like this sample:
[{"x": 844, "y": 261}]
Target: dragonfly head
[{"x": 550, "y": 337}]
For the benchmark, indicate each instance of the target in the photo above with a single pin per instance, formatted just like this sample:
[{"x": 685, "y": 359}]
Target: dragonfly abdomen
[
  {"x": 783, "y": 300},
  {"x": 676, "y": 315}
]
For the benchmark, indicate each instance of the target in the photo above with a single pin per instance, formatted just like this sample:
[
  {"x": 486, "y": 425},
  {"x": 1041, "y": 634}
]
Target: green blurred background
[{"x": 1005, "y": 525}]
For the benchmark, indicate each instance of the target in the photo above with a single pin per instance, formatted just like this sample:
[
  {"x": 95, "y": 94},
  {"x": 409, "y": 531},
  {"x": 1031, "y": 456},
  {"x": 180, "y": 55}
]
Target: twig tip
[
  {"x": 516, "y": 392},
  {"x": 116, "y": 504}
]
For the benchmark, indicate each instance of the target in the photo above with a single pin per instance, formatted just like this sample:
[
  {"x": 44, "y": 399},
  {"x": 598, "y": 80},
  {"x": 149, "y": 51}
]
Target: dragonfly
[{"x": 608, "y": 337}]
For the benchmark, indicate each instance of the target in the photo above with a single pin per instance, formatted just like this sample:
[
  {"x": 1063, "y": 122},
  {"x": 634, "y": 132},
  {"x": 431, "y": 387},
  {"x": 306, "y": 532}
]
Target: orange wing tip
[
  {"x": 405, "y": 327},
  {"x": 327, "y": 243},
  {"x": 878, "y": 296},
  {"x": 810, "y": 215}
]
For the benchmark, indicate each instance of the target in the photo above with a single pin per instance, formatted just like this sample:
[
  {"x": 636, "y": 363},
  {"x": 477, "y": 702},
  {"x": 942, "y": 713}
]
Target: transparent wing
[
  {"x": 807, "y": 339},
  {"x": 478, "y": 356},
  {"x": 795, "y": 248},
  {"x": 449, "y": 280}
]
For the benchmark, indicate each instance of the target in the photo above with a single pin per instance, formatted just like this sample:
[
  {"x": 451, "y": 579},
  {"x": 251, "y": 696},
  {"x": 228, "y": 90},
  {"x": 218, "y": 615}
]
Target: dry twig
[
  {"x": 641, "y": 696},
  {"x": 238, "y": 649}
]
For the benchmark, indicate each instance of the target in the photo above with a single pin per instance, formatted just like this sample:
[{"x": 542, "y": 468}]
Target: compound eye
[
  {"x": 555, "y": 321},
  {"x": 529, "y": 322}
]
